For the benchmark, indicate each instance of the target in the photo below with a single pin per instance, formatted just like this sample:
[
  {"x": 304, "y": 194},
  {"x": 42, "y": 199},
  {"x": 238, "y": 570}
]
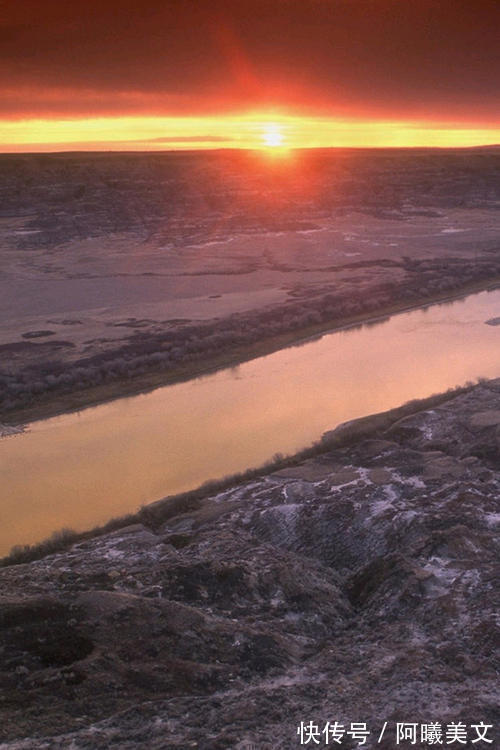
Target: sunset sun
[{"x": 273, "y": 137}]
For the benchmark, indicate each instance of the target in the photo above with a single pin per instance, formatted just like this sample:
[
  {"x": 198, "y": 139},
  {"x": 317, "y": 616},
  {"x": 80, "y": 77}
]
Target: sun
[{"x": 272, "y": 136}]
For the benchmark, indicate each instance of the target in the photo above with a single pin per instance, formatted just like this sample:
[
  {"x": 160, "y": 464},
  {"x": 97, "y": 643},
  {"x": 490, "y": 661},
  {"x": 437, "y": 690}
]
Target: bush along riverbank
[{"x": 147, "y": 360}]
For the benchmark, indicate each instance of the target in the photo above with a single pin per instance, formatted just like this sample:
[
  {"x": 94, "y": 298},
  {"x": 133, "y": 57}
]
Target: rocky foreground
[{"x": 357, "y": 586}]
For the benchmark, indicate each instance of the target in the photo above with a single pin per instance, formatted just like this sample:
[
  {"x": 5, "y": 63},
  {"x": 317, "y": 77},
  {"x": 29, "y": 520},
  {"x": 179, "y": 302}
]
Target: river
[{"x": 79, "y": 470}]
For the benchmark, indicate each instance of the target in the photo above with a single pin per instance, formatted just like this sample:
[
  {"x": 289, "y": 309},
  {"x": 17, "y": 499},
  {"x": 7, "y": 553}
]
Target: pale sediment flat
[{"x": 93, "y": 292}]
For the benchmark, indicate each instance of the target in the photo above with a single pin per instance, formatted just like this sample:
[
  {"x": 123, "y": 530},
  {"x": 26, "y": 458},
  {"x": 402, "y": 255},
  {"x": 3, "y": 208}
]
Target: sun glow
[{"x": 272, "y": 136}]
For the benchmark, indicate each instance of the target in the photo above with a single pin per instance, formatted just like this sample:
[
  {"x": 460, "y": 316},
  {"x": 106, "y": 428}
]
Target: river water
[{"x": 79, "y": 470}]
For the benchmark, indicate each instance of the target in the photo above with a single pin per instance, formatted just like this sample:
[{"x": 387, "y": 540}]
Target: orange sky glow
[
  {"x": 269, "y": 74},
  {"x": 259, "y": 130}
]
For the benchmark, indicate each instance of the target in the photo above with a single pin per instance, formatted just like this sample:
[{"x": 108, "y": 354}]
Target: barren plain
[{"x": 124, "y": 270}]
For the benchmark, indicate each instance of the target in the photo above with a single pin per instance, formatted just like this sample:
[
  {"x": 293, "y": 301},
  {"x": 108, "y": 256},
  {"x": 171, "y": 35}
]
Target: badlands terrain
[{"x": 358, "y": 584}]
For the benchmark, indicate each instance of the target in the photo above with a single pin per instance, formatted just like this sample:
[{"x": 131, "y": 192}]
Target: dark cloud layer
[
  {"x": 430, "y": 58},
  {"x": 189, "y": 139}
]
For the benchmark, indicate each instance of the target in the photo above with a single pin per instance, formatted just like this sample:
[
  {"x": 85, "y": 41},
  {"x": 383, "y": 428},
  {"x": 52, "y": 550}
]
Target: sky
[{"x": 196, "y": 73}]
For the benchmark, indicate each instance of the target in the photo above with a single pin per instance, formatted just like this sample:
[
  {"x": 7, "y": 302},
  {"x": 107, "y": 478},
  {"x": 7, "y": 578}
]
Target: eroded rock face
[
  {"x": 7, "y": 430},
  {"x": 357, "y": 586}
]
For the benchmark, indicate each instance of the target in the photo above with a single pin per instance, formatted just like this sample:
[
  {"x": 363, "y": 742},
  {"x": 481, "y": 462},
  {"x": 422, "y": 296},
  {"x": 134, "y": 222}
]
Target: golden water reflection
[{"x": 79, "y": 470}]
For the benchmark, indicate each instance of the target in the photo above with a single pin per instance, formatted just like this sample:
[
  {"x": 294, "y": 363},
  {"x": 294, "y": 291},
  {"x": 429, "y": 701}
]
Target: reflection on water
[{"x": 79, "y": 470}]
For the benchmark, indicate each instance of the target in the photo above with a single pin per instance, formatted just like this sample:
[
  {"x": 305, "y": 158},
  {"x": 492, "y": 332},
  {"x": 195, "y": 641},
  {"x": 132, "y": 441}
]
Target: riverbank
[
  {"x": 350, "y": 584},
  {"x": 155, "y": 513},
  {"x": 51, "y": 404}
]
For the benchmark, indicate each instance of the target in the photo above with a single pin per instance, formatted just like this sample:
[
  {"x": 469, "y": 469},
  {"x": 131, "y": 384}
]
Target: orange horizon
[{"x": 274, "y": 131}]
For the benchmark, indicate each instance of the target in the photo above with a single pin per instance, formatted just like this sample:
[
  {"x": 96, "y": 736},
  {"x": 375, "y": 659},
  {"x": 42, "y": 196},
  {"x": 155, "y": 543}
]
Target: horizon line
[{"x": 276, "y": 151}]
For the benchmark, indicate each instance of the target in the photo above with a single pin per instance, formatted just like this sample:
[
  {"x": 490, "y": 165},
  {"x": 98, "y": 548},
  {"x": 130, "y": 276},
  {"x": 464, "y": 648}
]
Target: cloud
[
  {"x": 188, "y": 139},
  {"x": 199, "y": 56}
]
